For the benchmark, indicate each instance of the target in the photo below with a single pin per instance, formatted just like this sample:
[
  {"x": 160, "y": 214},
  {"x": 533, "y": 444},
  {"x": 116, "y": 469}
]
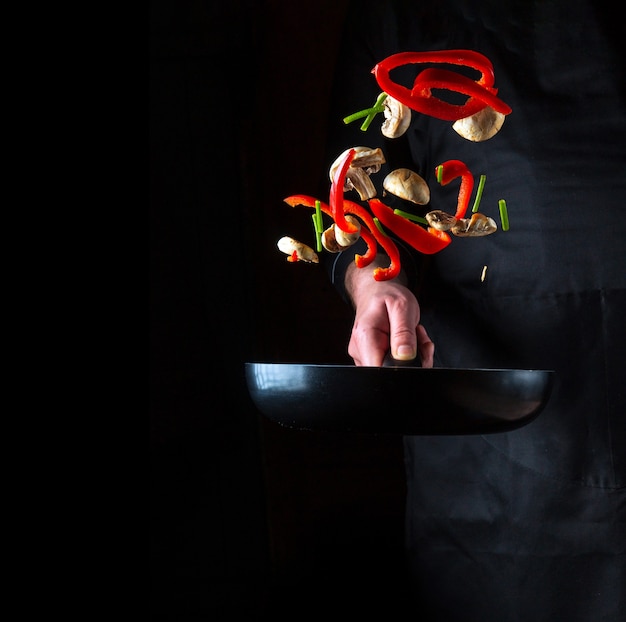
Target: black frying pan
[{"x": 398, "y": 400}]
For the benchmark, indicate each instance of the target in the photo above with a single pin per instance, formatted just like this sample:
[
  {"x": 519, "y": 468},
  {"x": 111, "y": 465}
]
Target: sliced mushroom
[
  {"x": 303, "y": 252},
  {"x": 366, "y": 162},
  {"x": 440, "y": 220},
  {"x": 345, "y": 239},
  {"x": 407, "y": 184},
  {"x": 483, "y": 125},
  {"x": 335, "y": 240},
  {"x": 476, "y": 226},
  {"x": 329, "y": 241},
  {"x": 397, "y": 118}
]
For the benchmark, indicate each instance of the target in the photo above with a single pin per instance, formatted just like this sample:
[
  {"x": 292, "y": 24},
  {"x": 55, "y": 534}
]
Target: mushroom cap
[
  {"x": 397, "y": 118},
  {"x": 476, "y": 226},
  {"x": 335, "y": 240},
  {"x": 407, "y": 184},
  {"x": 365, "y": 162},
  {"x": 440, "y": 220},
  {"x": 483, "y": 125}
]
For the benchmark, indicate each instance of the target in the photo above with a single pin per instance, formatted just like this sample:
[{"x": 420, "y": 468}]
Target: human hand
[{"x": 386, "y": 320}]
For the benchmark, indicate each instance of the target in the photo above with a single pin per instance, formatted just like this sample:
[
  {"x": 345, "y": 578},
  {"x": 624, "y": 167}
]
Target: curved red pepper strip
[
  {"x": 371, "y": 235},
  {"x": 465, "y": 58},
  {"x": 336, "y": 193},
  {"x": 425, "y": 241},
  {"x": 386, "y": 243},
  {"x": 451, "y": 170},
  {"x": 369, "y": 239},
  {"x": 307, "y": 201},
  {"x": 366, "y": 259},
  {"x": 479, "y": 96},
  {"x": 419, "y": 97}
]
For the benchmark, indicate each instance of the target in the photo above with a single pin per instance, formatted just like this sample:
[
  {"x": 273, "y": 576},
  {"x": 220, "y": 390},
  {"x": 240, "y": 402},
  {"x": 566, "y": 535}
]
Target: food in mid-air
[
  {"x": 480, "y": 117},
  {"x": 408, "y": 185},
  {"x": 397, "y": 118},
  {"x": 365, "y": 162},
  {"x": 297, "y": 251},
  {"x": 483, "y": 125}
]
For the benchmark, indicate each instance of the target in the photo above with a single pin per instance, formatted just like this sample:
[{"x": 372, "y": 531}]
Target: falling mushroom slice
[
  {"x": 366, "y": 162},
  {"x": 335, "y": 240},
  {"x": 397, "y": 118},
  {"x": 440, "y": 220},
  {"x": 476, "y": 226},
  {"x": 407, "y": 184},
  {"x": 303, "y": 252},
  {"x": 483, "y": 125},
  {"x": 348, "y": 239}
]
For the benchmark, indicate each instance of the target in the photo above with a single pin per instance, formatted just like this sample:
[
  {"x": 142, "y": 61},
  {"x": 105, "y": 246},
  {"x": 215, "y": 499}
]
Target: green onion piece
[
  {"x": 370, "y": 113},
  {"x": 504, "y": 215},
  {"x": 409, "y": 216},
  {"x": 378, "y": 107},
  {"x": 479, "y": 193},
  {"x": 379, "y": 226},
  {"x": 356, "y": 115},
  {"x": 439, "y": 172},
  {"x": 318, "y": 223}
]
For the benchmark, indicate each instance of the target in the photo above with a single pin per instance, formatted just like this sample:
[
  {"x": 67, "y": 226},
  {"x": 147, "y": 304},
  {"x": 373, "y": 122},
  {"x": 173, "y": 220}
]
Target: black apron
[{"x": 531, "y": 524}]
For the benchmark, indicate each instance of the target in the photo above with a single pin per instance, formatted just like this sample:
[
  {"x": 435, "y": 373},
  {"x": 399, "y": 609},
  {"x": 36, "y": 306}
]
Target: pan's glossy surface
[{"x": 398, "y": 400}]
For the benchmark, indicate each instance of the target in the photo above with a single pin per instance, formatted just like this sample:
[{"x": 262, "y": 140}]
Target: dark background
[{"x": 246, "y": 517}]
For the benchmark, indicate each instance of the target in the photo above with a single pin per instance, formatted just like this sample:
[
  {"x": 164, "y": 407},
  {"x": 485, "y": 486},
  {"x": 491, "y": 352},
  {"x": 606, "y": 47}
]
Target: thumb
[{"x": 403, "y": 343}]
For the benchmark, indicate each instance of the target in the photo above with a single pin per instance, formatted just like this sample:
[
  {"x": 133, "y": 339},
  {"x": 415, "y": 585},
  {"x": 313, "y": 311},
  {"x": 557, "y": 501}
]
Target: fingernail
[{"x": 405, "y": 353}]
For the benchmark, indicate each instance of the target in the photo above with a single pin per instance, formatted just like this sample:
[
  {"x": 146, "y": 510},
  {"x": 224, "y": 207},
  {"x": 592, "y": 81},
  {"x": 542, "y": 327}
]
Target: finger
[
  {"x": 403, "y": 341},
  {"x": 425, "y": 347},
  {"x": 368, "y": 348}
]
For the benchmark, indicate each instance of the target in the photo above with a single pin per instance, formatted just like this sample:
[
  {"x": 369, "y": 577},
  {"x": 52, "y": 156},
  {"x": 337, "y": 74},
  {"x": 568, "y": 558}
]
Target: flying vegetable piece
[
  {"x": 483, "y": 125},
  {"x": 449, "y": 171},
  {"x": 427, "y": 241},
  {"x": 440, "y": 220},
  {"x": 365, "y": 162},
  {"x": 297, "y": 251},
  {"x": 368, "y": 113},
  {"x": 476, "y": 226},
  {"x": 335, "y": 240},
  {"x": 370, "y": 234},
  {"x": 397, "y": 118},
  {"x": 383, "y": 240},
  {"x": 337, "y": 189},
  {"x": 419, "y": 97},
  {"x": 408, "y": 185}
]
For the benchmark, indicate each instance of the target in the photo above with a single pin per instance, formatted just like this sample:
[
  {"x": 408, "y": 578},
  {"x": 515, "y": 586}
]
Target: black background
[{"x": 248, "y": 518}]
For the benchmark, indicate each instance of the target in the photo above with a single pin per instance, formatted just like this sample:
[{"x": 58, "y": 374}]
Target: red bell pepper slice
[
  {"x": 369, "y": 239},
  {"x": 450, "y": 170},
  {"x": 427, "y": 241},
  {"x": 386, "y": 243},
  {"x": 336, "y": 193},
  {"x": 443, "y": 79},
  {"x": 370, "y": 234},
  {"x": 420, "y": 98}
]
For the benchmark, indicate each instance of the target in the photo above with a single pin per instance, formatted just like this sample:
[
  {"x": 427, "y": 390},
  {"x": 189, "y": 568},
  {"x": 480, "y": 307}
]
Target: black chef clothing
[{"x": 529, "y": 524}]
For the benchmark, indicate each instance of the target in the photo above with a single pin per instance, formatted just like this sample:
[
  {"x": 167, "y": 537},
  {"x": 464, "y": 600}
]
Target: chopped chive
[
  {"x": 356, "y": 115},
  {"x": 319, "y": 225},
  {"x": 380, "y": 227},
  {"x": 479, "y": 193},
  {"x": 409, "y": 216},
  {"x": 504, "y": 215},
  {"x": 378, "y": 107},
  {"x": 369, "y": 113},
  {"x": 439, "y": 172}
]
